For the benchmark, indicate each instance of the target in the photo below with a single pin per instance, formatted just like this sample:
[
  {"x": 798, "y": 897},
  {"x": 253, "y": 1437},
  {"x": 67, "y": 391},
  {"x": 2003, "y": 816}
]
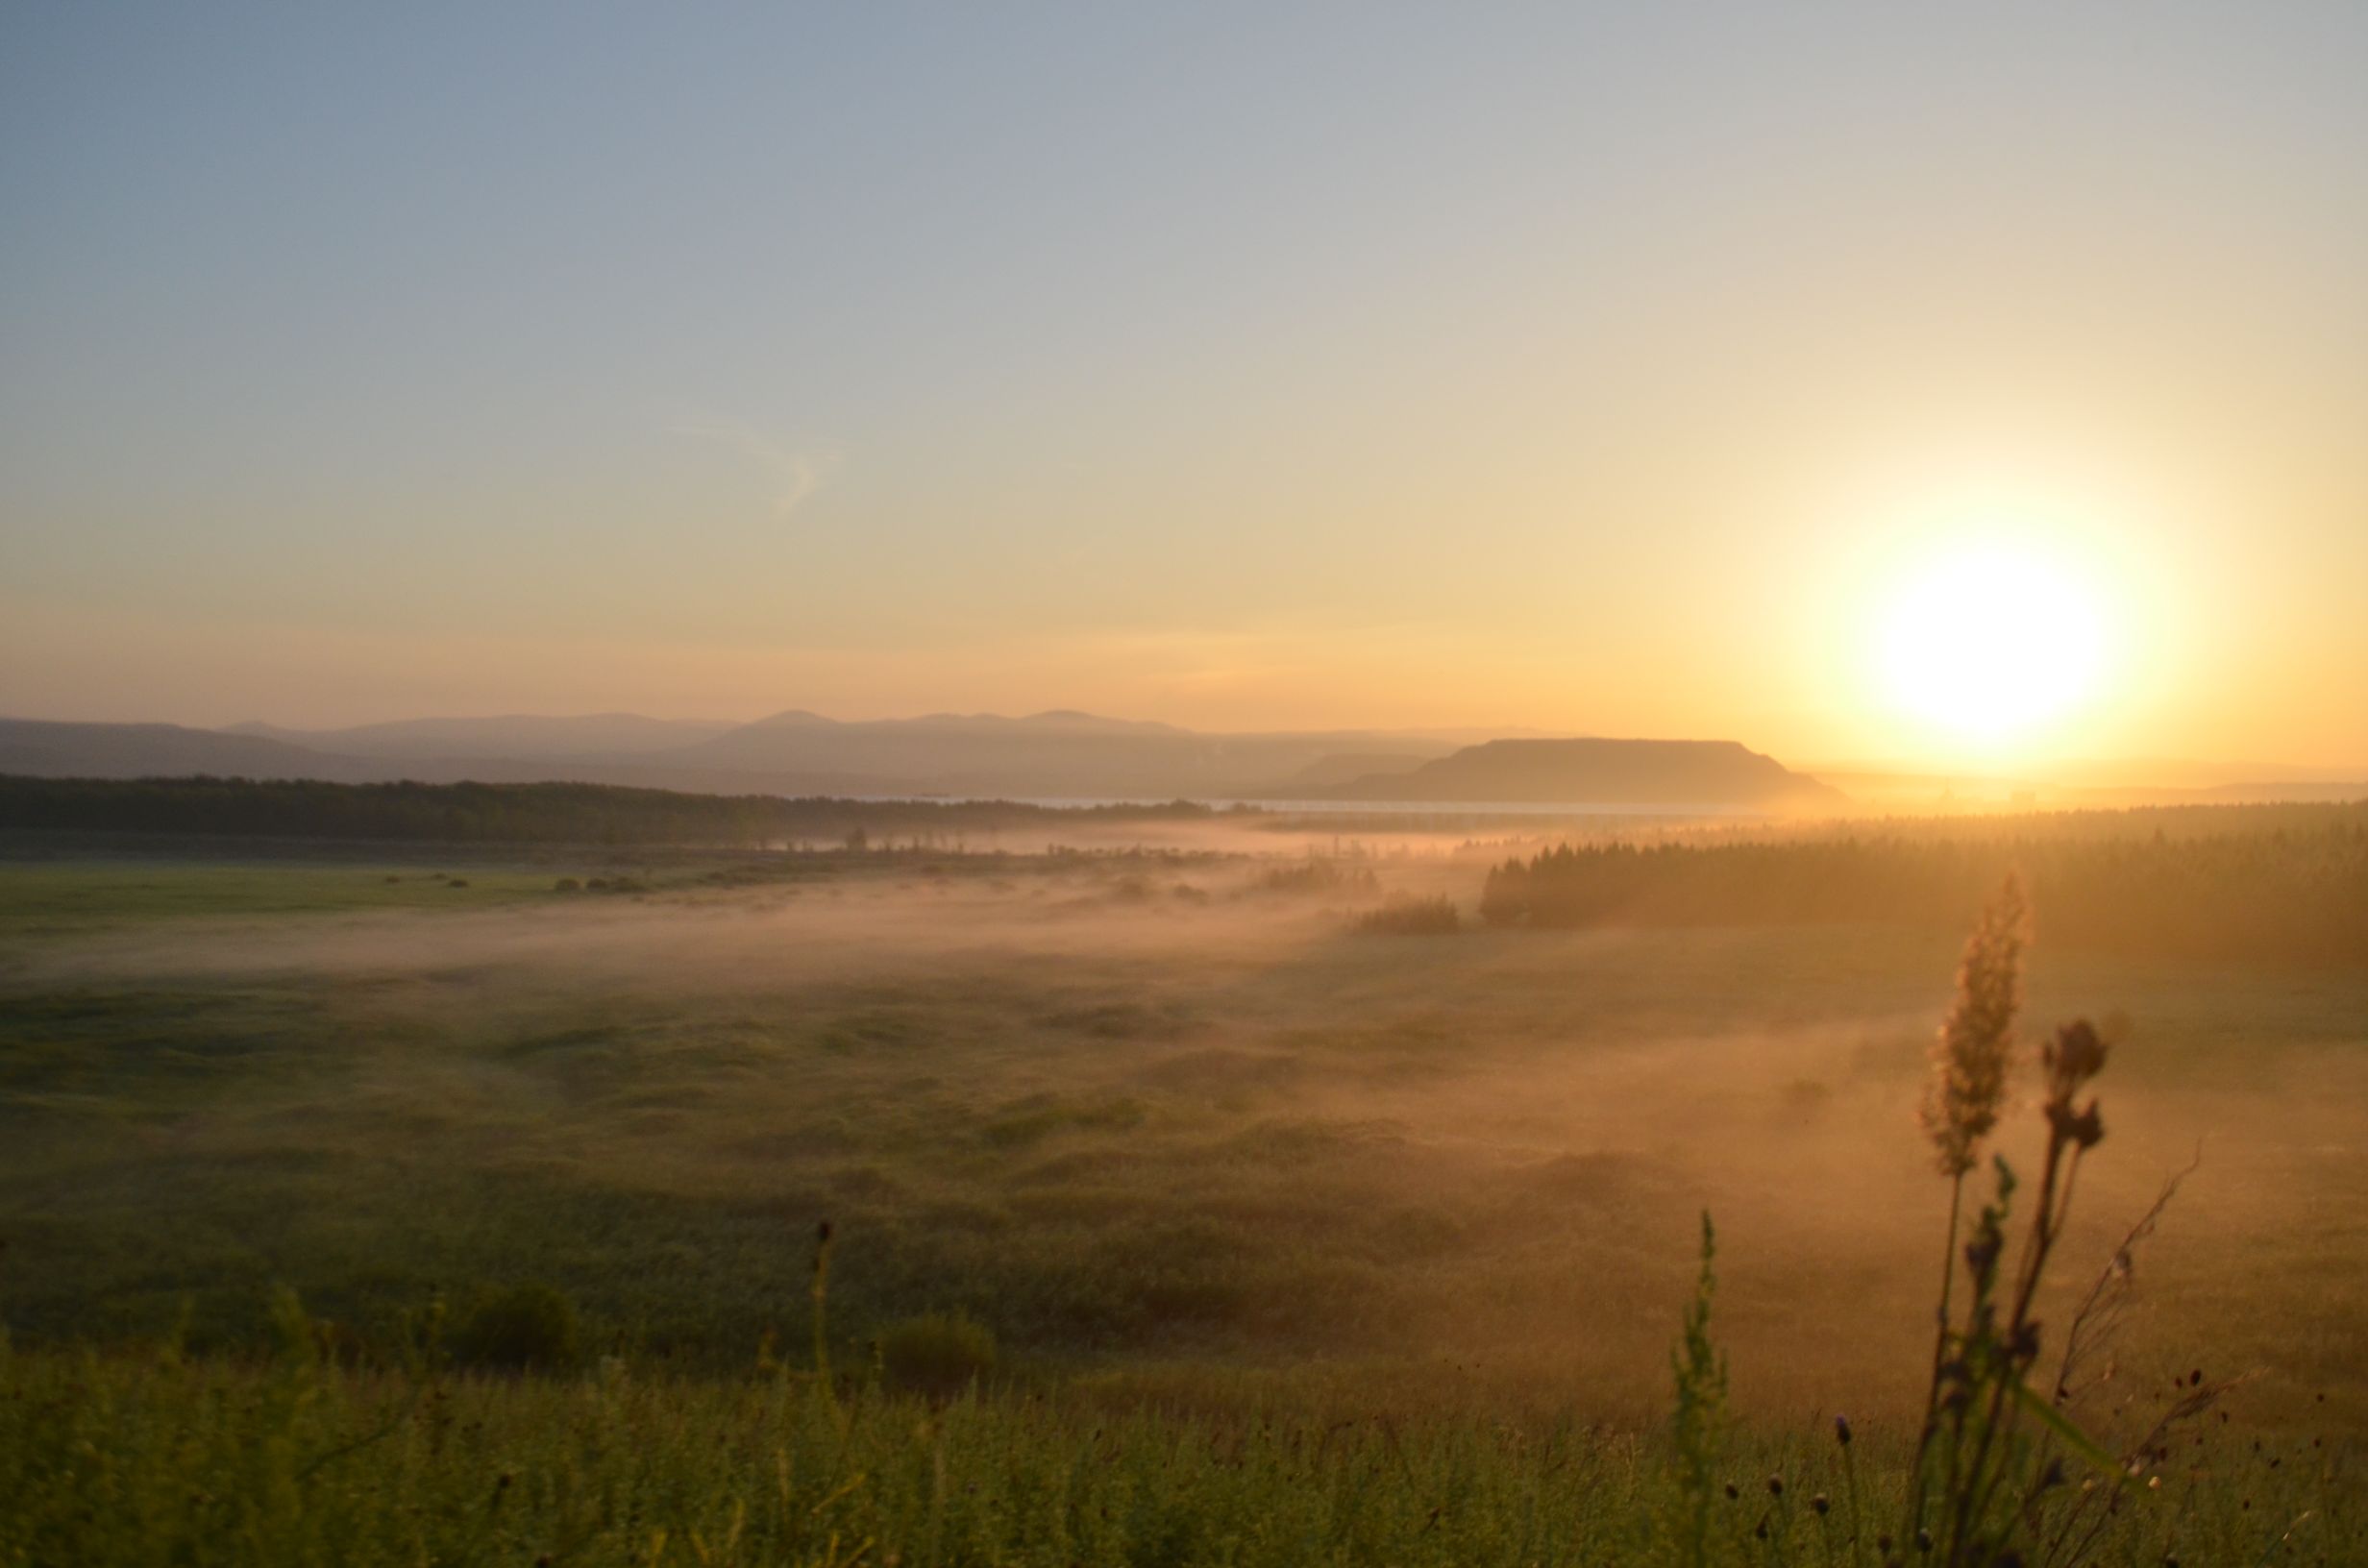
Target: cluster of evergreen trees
[
  {"x": 2285, "y": 882},
  {"x": 497, "y": 812}
]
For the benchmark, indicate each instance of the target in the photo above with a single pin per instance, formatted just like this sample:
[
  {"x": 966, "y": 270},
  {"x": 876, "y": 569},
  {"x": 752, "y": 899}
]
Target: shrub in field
[
  {"x": 1317, "y": 875},
  {"x": 1408, "y": 916},
  {"x": 938, "y": 1353},
  {"x": 1504, "y": 897},
  {"x": 526, "y": 1327}
]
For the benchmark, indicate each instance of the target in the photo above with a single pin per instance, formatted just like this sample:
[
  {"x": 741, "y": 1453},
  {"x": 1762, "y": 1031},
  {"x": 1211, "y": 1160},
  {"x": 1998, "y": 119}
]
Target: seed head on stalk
[{"x": 1977, "y": 1041}]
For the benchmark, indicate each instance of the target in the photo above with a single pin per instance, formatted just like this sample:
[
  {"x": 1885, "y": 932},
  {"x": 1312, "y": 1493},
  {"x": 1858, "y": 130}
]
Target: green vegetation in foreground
[{"x": 121, "y": 1461}]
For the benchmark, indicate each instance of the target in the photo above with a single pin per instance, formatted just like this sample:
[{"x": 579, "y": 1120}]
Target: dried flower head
[
  {"x": 1976, "y": 1045},
  {"x": 2076, "y": 1055}
]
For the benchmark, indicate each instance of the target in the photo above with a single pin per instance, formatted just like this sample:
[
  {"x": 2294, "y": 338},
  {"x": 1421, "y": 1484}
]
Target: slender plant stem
[
  {"x": 1940, "y": 1351},
  {"x": 1973, "y": 1496},
  {"x": 1858, "y": 1520}
]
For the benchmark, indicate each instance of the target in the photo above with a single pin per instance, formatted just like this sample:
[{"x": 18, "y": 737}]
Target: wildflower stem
[
  {"x": 1940, "y": 1351},
  {"x": 1857, "y": 1519}
]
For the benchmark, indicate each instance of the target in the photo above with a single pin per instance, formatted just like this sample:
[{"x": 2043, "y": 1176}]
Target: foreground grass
[{"x": 165, "y": 1460}]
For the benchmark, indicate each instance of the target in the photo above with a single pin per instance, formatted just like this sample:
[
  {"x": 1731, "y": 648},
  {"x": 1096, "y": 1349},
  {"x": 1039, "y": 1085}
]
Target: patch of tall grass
[{"x": 115, "y": 1460}]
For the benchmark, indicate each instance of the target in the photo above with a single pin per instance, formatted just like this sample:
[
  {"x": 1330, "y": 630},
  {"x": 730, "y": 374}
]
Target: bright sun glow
[{"x": 1991, "y": 642}]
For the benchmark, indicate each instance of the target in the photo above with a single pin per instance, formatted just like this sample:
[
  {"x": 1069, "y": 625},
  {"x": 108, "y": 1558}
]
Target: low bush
[
  {"x": 938, "y": 1353},
  {"x": 1313, "y": 875},
  {"x": 1410, "y": 917},
  {"x": 526, "y": 1327}
]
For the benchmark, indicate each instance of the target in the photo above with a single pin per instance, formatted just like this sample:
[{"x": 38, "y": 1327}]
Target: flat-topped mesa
[{"x": 1603, "y": 773}]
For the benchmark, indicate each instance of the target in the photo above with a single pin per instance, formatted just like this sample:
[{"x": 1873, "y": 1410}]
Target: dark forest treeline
[
  {"x": 502, "y": 812},
  {"x": 2291, "y": 882}
]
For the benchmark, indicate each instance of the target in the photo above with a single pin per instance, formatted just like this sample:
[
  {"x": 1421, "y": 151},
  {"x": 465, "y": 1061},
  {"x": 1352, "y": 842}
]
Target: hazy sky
[{"x": 1602, "y": 369}]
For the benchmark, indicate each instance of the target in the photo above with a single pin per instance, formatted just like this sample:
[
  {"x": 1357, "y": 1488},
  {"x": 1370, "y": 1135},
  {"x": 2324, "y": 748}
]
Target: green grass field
[
  {"x": 49, "y": 900},
  {"x": 1220, "y": 1174},
  {"x": 115, "y": 1463}
]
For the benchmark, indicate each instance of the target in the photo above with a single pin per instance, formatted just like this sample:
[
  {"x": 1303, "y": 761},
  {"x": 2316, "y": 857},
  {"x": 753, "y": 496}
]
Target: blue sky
[{"x": 1555, "y": 365}]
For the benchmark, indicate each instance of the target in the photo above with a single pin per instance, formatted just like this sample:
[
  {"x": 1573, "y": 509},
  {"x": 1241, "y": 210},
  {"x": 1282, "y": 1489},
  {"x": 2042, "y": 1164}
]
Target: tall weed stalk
[{"x": 1990, "y": 1448}]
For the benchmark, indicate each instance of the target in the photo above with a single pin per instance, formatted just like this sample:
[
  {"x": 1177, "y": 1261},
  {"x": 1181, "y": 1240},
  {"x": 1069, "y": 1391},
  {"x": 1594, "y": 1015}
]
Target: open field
[
  {"x": 1162, "y": 1120},
  {"x": 1142, "y": 1117}
]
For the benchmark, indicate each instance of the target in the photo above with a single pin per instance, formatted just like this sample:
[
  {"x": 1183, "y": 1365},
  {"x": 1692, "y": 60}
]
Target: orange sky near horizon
[{"x": 1615, "y": 373}]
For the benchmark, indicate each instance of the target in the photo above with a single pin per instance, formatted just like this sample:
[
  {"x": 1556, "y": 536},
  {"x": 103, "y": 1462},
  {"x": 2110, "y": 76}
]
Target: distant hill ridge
[
  {"x": 1061, "y": 754},
  {"x": 1593, "y": 771},
  {"x": 512, "y": 735},
  {"x": 47, "y": 749}
]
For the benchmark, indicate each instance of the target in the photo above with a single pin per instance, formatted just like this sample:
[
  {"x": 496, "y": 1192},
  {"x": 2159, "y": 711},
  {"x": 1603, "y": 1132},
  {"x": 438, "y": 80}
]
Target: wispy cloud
[{"x": 796, "y": 472}]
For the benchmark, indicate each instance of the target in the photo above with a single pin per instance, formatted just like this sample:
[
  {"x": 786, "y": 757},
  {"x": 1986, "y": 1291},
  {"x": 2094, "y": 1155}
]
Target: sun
[{"x": 1991, "y": 642}]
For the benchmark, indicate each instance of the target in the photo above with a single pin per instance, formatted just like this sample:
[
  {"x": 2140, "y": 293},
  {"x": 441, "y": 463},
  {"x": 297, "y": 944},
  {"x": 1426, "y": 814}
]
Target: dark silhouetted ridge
[{"x": 1603, "y": 773}]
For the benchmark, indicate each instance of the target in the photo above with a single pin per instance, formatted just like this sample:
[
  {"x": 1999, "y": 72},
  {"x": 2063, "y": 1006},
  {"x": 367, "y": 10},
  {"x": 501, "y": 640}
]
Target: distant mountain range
[
  {"x": 522, "y": 736},
  {"x": 43, "y": 749},
  {"x": 1055, "y": 755},
  {"x": 1060, "y": 756}
]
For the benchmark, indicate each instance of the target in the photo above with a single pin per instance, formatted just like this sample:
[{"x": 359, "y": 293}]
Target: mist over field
[
  {"x": 1144, "y": 1110},
  {"x": 1183, "y": 786},
  {"x": 1306, "y": 1121}
]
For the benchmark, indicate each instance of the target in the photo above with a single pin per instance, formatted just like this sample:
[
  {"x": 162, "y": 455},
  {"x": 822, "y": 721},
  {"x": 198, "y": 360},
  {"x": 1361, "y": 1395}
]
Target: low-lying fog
[{"x": 1151, "y": 1112}]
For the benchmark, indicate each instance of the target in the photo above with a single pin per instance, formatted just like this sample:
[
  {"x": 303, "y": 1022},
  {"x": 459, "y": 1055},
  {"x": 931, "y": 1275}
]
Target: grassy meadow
[{"x": 1270, "y": 1238}]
